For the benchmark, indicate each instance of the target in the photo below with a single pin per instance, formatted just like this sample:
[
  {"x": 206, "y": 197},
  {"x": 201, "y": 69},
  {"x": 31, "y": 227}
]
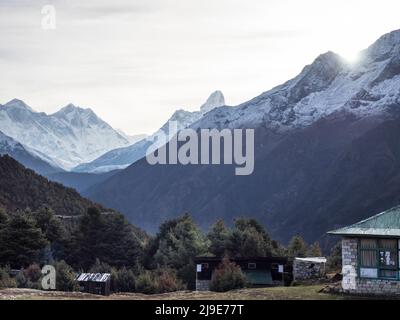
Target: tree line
[{"x": 97, "y": 242}]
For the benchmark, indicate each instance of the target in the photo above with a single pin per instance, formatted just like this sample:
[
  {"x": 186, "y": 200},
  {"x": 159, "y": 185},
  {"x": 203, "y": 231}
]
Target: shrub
[
  {"x": 21, "y": 280},
  {"x": 228, "y": 276},
  {"x": 33, "y": 273},
  {"x": 5, "y": 280},
  {"x": 168, "y": 281},
  {"x": 147, "y": 283},
  {"x": 65, "y": 277},
  {"x": 158, "y": 281},
  {"x": 30, "y": 277},
  {"x": 123, "y": 280}
]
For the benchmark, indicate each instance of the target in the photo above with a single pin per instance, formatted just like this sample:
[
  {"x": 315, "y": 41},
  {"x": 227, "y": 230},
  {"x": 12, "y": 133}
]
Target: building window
[
  {"x": 204, "y": 266},
  {"x": 379, "y": 258},
  {"x": 252, "y": 266}
]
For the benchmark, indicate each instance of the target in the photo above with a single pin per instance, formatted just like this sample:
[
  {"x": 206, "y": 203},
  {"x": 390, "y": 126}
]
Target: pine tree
[
  {"x": 249, "y": 239},
  {"x": 314, "y": 250},
  {"x": 176, "y": 245},
  {"x": 21, "y": 241},
  {"x": 297, "y": 247},
  {"x": 335, "y": 258},
  {"x": 109, "y": 238},
  {"x": 218, "y": 237}
]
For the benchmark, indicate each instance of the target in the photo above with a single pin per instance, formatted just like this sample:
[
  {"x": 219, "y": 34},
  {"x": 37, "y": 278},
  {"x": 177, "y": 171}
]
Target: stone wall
[
  {"x": 306, "y": 270},
  {"x": 349, "y": 252},
  {"x": 203, "y": 285},
  {"x": 353, "y": 284}
]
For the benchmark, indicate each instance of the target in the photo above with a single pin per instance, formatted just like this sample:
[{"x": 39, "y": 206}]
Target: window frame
[
  {"x": 253, "y": 264},
  {"x": 378, "y": 249}
]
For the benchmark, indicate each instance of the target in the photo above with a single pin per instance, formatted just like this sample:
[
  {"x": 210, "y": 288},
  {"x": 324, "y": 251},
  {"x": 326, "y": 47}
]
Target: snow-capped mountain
[
  {"x": 68, "y": 137},
  {"x": 132, "y": 138},
  {"x": 123, "y": 157},
  {"x": 329, "y": 84},
  {"x": 25, "y": 156},
  {"x": 326, "y": 155}
]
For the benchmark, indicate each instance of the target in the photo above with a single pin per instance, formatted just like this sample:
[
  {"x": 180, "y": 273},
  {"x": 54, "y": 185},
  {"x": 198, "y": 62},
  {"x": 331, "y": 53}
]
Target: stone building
[
  {"x": 309, "y": 268},
  {"x": 370, "y": 254}
]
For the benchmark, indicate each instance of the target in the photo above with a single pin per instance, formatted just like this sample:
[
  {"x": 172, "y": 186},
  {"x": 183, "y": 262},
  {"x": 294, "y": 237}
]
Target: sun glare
[{"x": 350, "y": 56}]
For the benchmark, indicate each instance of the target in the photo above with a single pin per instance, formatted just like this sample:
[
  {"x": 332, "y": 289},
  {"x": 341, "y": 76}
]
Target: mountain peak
[
  {"x": 328, "y": 61},
  {"x": 328, "y": 57},
  {"x": 215, "y": 100},
  {"x": 72, "y": 109},
  {"x": 385, "y": 47},
  {"x": 317, "y": 76},
  {"x": 16, "y": 103}
]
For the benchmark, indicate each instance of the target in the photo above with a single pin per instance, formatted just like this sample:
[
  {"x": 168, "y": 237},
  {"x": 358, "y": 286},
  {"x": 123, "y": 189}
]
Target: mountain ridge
[
  {"x": 306, "y": 131},
  {"x": 121, "y": 158},
  {"x": 69, "y": 136}
]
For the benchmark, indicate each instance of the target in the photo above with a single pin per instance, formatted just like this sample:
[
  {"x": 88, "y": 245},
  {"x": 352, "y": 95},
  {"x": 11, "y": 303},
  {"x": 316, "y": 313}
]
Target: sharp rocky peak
[
  {"x": 215, "y": 100},
  {"x": 316, "y": 77}
]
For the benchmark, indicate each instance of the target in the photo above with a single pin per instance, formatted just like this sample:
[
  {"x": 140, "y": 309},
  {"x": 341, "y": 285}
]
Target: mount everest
[{"x": 71, "y": 136}]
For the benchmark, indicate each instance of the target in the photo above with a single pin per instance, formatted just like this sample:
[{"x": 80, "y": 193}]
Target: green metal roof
[{"x": 384, "y": 224}]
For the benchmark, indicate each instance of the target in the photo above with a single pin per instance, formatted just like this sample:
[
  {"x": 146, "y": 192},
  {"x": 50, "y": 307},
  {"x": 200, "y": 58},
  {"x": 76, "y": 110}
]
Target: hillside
[
  {"x": 22, "y": 188},
  {"x": 80, "y": 180}
]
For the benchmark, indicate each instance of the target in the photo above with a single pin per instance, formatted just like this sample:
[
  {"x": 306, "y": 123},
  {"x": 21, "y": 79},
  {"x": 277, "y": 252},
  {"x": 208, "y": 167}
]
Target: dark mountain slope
[
  {"x": 326, "y": 154},
  {"x": 22, "y": 188},
  {"x": 303, "y": 182},
  {"x": 80, "y": 180}
]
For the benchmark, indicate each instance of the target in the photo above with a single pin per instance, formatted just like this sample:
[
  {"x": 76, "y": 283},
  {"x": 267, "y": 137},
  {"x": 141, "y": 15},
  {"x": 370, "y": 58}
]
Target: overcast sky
[{"x": 136, "y": 61}]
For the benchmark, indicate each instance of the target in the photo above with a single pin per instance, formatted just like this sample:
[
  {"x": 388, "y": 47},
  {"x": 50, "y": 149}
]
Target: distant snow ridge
[
  {"x": 122, "y": 157},
  {"x": 328, "y": 85},
  {"x": 74, "y": 135},
  {"x": 28, "y": 157},
  {"x": 8, "y": 144},
  {"x": 70, "y": 136}
]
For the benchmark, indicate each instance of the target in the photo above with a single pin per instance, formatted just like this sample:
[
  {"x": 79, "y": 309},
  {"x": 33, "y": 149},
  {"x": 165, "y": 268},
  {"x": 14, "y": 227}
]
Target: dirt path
[{"x": 278, "y": 293}]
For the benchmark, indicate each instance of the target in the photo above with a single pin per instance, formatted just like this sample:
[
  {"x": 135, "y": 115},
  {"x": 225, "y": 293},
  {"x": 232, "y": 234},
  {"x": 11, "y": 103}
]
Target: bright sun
[{"x": 350, "y": 55}]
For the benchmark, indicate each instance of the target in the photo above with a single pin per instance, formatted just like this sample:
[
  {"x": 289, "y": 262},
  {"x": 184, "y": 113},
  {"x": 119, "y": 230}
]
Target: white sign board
[
  {"x": 199, "y": 268},
  {"x": 368, "y": 273},
  {"x": 280, "y": 268}
]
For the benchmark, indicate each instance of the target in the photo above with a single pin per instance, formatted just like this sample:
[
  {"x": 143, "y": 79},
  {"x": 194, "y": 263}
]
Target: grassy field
[{"x": 276, "y": 293}]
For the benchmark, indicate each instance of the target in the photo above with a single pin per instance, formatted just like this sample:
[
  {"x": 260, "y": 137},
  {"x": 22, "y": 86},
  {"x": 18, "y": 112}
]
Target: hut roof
[
  {"x": 386, "y": 223},
  {"x": 93, "y": 277}
]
